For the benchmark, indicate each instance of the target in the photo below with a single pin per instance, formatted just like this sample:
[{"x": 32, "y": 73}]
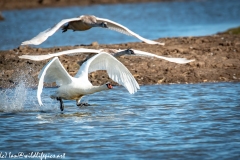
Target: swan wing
[
  {"x": 71, "y": 52},
  {"x": 36, "y": 57},
  {"x": 53, "y": 71},
  {"x": 42, "y": 36},
  {"x": 115, "y": 69},
  {"x": 122, "y": 29},
  {"x": 175, "y": 60}
]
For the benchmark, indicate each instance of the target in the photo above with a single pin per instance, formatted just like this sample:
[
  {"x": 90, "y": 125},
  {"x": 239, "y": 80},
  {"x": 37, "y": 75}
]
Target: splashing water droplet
[
  {"x": 22, "y": 98},
  {"x": 13, "y": 99}
]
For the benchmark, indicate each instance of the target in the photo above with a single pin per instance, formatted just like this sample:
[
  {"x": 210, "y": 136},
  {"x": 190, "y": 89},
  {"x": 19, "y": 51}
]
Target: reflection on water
[
  {"x": 150, "y": 20},
  {"x": 183, "y": 121}
]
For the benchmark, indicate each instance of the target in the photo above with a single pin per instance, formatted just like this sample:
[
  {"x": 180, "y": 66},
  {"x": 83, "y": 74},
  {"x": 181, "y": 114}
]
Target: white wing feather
[
  {"x": 41, "y": 37},
  {"x": 175, "y": 60},
  {"x": 36, "y": 57},
  {"x": 71, "y": 52},
  {"x": 115, "y": 69},
  {"x": 120, "y": 28},
  {"x": 53, "y": 71}
]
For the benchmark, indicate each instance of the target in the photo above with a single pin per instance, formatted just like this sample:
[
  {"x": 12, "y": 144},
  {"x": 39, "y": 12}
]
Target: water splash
[
  {"x": 18, "y": 98},
  {"x": 13, "y": 99},
  {"x": 22, "y": 98}
]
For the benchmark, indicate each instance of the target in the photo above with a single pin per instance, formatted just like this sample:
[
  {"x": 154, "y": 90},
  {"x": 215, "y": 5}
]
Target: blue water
[
  {"x": 177, "y": 121},
  {"x": 150, "y": 20}
]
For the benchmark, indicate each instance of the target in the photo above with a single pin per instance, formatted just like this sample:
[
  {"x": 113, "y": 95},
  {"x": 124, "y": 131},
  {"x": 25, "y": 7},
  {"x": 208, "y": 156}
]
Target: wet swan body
[
  {"x": 82, "y": 23},
  {"x": 74, "y": 88}
]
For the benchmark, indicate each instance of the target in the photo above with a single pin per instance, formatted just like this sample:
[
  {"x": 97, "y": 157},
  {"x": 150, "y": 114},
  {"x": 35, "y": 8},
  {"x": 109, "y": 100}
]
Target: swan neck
[
  {"x": 96, "y": 25},
  {"x": 99, "y": 88},
  {"x": 118, "y": 54}
]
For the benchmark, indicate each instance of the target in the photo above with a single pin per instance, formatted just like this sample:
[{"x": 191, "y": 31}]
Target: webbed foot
[{"x": 83, "y": 104}]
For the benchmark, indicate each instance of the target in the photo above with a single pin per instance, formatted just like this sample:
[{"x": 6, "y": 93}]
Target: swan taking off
[
  {"x": 113, "y": 52},
  {"x": 82, "y": 23},
  {"x": 74, "y": 88}
]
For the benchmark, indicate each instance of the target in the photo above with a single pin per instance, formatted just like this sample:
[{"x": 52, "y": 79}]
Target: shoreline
[{"x": 217, "y": 59}]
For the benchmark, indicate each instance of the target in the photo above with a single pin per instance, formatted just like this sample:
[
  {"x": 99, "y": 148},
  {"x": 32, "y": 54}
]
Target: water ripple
[{"x": 178, "y": 121}]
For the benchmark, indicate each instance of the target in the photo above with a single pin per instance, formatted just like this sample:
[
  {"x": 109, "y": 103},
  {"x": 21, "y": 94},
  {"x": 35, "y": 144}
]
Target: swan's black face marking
[
  {"x": 131, "y": 52},
  {"x": 109, "y": 86},
  {"x": 104, "y": 25}
]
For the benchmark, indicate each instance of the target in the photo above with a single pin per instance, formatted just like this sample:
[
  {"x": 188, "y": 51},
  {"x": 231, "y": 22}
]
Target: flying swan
[
  {"x": 74, "y": 88},
  {"x": 82, "y": 23},
  {"x": 113, "y": 52}
]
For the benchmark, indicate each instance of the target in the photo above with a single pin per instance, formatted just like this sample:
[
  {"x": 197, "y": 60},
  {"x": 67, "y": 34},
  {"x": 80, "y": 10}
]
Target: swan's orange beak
[{"x": 109, "y": 86}]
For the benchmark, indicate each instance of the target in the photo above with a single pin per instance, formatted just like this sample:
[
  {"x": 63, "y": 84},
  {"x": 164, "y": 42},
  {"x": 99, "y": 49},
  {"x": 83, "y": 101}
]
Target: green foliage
[{"x": 232, "y": 31}]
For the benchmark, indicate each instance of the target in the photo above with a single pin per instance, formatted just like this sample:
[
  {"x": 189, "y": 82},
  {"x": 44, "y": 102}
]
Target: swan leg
[{"x": 61, "y": 103}]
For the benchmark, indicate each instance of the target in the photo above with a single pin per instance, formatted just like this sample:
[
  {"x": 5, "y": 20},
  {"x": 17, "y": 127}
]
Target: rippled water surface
[
  {"x": 150, "y": 20},
  {"x": 177, "y": 121}
]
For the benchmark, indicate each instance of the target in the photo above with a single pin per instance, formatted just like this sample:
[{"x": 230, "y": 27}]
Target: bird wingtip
[
  {"x": 189, "y": 61},
  {"x": 159, "y": 43},
  {"x": 26, "y": 43},
  {"x": 134, "y": 91},
  {"x": 23, "y": 43}
]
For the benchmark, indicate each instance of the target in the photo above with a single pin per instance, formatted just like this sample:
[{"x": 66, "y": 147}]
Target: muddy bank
[
  {"x": 26, "y": 4},
  {"x": 217, "y": 59}
]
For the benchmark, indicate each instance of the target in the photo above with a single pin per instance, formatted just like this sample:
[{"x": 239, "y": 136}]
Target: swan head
[
  {"x": 109, "y": 86},
  {"x": 103, "y": 25},
  {"x": 124, "y": 52},
  {"x": 130, "y": 52}
]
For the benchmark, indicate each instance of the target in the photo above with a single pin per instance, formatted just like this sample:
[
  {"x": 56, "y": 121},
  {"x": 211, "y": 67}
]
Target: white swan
[
  {"x": 83, "y": 23},
  {"x": 74, "y": 88},
  {"x": 113, "y": 52}
]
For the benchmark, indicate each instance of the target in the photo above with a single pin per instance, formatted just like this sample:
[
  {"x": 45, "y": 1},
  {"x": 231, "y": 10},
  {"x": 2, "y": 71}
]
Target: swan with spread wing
[
  {"x": 82, "y": 23},
  {"x": 74, "y": 88},
  {"x": 113, "y": 52}
]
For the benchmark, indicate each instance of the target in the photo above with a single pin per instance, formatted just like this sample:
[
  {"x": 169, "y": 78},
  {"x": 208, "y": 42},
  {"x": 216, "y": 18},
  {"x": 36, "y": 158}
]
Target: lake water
[
  {"x": 176, "y": 121},
  {"x": 150, "y": 20}
]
